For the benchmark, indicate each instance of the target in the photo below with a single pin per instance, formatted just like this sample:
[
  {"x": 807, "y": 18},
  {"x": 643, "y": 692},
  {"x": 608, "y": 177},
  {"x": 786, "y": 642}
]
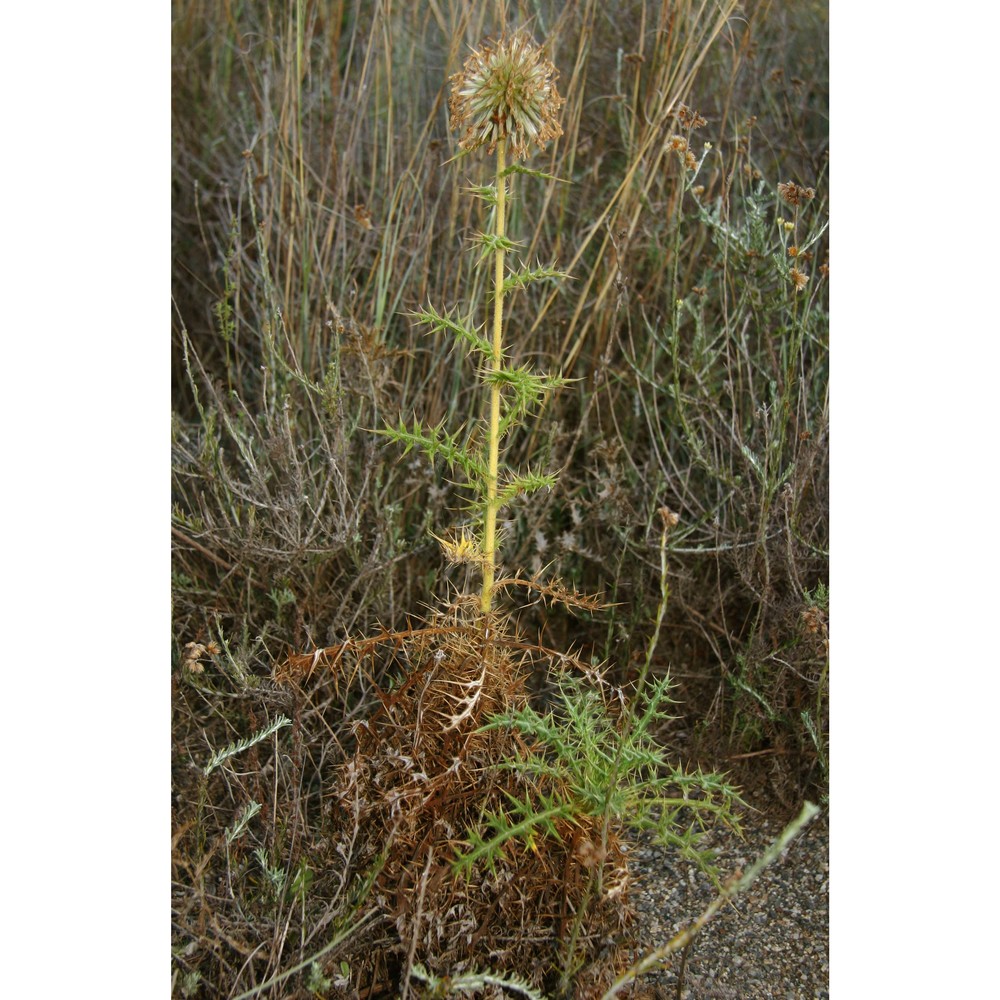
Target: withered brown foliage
[{"x": 422, "y": 775}]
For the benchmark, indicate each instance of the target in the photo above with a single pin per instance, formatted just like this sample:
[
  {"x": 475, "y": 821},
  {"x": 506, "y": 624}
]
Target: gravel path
[{"x": 771, "y": 942}]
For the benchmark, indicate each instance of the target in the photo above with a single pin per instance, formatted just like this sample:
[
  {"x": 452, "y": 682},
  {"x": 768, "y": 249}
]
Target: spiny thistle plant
[
  {"x": 496, "y": 829},
  {"x": 415, "y": 746},
  {"x": 505, "y": 99}
]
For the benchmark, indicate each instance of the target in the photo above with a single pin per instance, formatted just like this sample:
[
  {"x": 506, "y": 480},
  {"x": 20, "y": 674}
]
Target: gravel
[{"x": 771, "y": 942}]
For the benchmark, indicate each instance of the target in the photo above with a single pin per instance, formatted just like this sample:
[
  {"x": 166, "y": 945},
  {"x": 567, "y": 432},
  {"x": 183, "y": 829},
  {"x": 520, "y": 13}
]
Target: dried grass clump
[{"x": 423, "y": 775}]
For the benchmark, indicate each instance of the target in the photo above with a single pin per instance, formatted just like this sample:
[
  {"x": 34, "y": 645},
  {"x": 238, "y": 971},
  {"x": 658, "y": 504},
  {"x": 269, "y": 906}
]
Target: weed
[
  {"x": 456, "y": 748},
  {"x": 314, "y": 219}
]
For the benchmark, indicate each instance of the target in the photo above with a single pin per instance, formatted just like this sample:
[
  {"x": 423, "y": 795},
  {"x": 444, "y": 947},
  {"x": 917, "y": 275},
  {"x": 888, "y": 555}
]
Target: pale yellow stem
[{"x": 490, "y": 532}]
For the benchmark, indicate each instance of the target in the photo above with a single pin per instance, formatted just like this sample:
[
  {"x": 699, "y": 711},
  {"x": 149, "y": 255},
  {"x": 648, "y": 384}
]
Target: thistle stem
[{"x": 490, "y": 527}]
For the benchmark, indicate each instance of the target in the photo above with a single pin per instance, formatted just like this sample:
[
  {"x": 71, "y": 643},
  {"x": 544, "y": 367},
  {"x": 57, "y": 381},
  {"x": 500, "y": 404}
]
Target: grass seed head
[{"x": 506, "y": 92}]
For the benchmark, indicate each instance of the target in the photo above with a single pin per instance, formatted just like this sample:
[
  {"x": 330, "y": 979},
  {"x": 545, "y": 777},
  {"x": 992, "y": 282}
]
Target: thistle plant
[
  {"x": 505, "y": 99},
  {"x": 456, "y": 750}
]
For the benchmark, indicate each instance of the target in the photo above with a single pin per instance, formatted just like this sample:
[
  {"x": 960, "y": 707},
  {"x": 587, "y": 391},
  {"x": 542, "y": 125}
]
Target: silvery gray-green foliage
[
  {"x": 221, "y": 756},
  {"x": 470, "y": 982}
]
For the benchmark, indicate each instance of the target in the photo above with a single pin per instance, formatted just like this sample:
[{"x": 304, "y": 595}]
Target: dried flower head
[
  {"x": 799, "y": 278},
  {"x": 506, "y": 92},
  {"x": 794, "y": 194},
  {"x": 589, "y": 853},
  {"x": 669, "y": 518},
  {"x": 689, "y": 118},
  {"x": 193, "y": 652},
  {"x": 813, "y": 620}
]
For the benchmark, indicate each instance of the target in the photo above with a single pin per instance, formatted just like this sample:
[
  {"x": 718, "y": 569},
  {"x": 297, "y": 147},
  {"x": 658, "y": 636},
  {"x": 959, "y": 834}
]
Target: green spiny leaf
[
  {"x": 436, "y": 442},
  {"x": 488, "y": 192},
  {"x": 531, "y": 482},
  {"x": 516, "y": 168},
  {"x": 491, "y": 242},
  {"x": 432, "y": 318},
  {"x": 531, "y": 819},
  {"x": 521, "y": 278}
]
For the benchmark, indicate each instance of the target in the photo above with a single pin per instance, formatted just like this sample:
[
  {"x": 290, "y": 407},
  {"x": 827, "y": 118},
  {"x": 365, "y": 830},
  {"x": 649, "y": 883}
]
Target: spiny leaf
[
  {"x": 516, "y": 168},
  {"x": 532, "y": 817},
  {"x": 487, "y": 192},
  {"x": 521, "y": 278},
  {"x": 528, "y": 389},
  {"x": 491, "y": 242},
  {"x": 432, "y": 318},
  {"x": 525, "y": 383},
  {"x": 437, "y": 442},
  {"x": 532, "y": 482}
]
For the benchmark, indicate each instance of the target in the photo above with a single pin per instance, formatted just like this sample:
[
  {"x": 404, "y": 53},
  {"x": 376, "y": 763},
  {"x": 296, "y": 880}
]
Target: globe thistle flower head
[{"x": 506, "y": 92}]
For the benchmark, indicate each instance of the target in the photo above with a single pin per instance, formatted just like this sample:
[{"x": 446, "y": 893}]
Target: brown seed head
[
  {"x": 669, "y": 518},
  {"x": 589, "y": 853},
  {"x": 814, "y": 622},
  {"x": 689, "y": 118},
  {"x": 506, "y": 92},
  {"x": 794, "y": 194}
]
